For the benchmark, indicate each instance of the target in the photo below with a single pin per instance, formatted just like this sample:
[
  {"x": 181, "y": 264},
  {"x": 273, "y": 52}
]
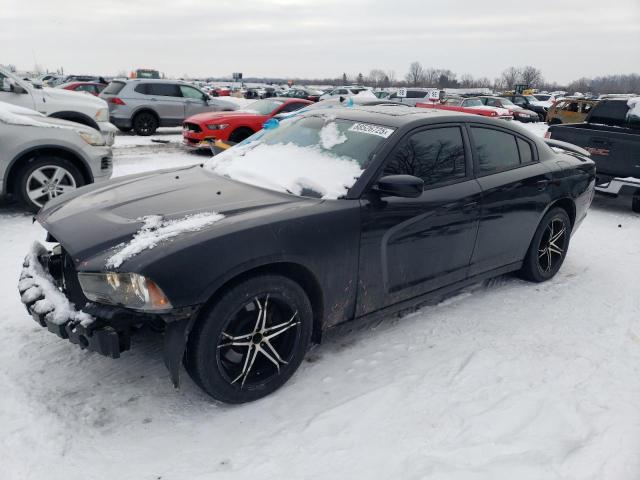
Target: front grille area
[
  {"x": 192, "y": 127},
  {"x": 106, "y": 163}
]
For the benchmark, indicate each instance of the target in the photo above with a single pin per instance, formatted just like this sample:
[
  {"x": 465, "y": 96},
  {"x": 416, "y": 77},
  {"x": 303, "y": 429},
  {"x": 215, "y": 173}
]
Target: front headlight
[
  {"x": 217, "y": 126},
  {"x": 92, "y": 138},
  {"x": 102, "y": 115},
  {"x": 129, "y": 290}
]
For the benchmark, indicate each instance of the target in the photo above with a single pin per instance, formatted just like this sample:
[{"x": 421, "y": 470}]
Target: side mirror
[{"x": 406, "y": 186}]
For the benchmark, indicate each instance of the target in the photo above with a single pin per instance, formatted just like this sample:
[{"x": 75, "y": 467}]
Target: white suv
[{"x": 57, "y": 103}]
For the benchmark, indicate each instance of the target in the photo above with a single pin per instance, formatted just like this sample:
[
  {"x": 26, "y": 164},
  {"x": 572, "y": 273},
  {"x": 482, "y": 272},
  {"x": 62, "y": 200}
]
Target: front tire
[
  {"x": 44, "y": 178},
  {"x": 252, "y": 340},
  {"x": 548, "y": 247}
]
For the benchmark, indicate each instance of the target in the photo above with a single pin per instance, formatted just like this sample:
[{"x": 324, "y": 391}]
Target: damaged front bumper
[{"x": 46, "y": 286}]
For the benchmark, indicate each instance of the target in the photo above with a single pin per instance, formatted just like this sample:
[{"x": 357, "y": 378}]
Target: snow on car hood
[
  {"x": 156, "y": 229},
  {"x": 539, "y": 103},
  {"x": 93, "y": 221},
  {"x": 288, "y": 168}
]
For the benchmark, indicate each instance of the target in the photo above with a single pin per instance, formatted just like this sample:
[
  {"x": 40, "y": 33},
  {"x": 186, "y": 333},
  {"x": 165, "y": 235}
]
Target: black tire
[
  {"x": 545, "y": 256},
  {"x": 240, "y": 134},
  {"x": 124, "y": 129},
  {"x": 145, "y": 124},
  {"x": 555, "y": 121},
  {"x": 635, "y": 202},
  {"x": 27, "y": 181},
  {"x": 220, "y": 368}
]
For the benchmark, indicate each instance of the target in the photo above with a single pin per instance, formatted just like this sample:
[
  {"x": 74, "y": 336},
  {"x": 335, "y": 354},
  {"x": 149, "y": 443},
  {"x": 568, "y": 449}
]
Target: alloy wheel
[
  {"x": 47, "y": 182},
  {"x": 258, "y": 341},
  {"x": 553, "y": 245}
]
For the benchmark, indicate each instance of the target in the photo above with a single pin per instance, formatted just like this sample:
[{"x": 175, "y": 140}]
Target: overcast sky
[{"x": 566, "y": 39}]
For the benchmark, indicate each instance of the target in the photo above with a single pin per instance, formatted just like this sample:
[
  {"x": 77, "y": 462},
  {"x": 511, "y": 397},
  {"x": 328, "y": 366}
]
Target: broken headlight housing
[{"x": 129, "y": 290}]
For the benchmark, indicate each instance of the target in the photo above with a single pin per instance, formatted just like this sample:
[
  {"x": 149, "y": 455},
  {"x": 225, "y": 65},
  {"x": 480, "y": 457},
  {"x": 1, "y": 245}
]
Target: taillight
[
  {"x": 547, "y": 134},
  {"x": 117, "y": 101}
]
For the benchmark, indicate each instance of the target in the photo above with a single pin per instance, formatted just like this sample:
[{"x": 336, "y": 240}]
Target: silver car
[
  {"x": 43, "y": 157},
  {"x": 143, "y": 105}
]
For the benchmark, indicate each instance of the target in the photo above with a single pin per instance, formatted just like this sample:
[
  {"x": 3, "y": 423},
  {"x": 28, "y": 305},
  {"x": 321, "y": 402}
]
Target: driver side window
[
  {"x": 190, "y": 92},
  {"x": 435, "y": 155}
]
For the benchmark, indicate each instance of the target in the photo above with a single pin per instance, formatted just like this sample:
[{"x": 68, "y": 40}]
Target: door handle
[
  {"x": 153, "y": 99},
  {"x": 542, "y": 184},
  {"x": 467, "y": 207}
]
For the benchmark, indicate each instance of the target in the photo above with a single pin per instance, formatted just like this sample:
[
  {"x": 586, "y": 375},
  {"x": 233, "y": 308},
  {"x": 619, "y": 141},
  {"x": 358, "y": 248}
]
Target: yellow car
[{"x": 569, "y": 110}]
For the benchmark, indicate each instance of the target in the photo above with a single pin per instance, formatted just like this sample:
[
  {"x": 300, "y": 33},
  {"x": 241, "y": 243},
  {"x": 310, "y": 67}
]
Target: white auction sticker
[{"x": 371, "y": 129}]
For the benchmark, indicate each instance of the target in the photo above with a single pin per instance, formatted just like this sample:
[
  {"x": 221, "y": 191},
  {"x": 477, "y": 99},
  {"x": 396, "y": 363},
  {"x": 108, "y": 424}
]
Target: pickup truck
[
  {"x": 57, "y": 103},
  {"x": 611, "y": 134}
]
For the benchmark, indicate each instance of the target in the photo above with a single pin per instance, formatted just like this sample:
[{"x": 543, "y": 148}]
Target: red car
[
  {"x": 476, "y": 107},
  {"x": 234, "y": 127},
  {"x": 94, "y": 88}
]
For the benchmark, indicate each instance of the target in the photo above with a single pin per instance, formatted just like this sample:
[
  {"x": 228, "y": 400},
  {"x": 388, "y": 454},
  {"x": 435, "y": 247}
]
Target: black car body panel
[{"x": 356, "y": 256}]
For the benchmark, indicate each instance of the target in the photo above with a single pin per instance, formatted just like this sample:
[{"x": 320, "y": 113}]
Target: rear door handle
[{"x": 469, "y": 206}]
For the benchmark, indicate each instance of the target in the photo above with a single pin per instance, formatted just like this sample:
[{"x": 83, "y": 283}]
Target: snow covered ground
[{"x": 506, "y": 380}]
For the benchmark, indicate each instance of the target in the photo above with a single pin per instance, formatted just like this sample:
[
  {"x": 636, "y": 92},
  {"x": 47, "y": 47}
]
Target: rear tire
[
  {"x": 145, "y": 124},
  {"x": 44, "y": 178},
  {"x": 236, "y": 354},
  {"x": 635, "y": 202},
  {"x": 548, "y": 247}
]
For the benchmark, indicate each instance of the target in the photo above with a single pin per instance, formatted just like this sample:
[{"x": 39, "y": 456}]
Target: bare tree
[
  {"x": 376, "y": 77},
  {"x": 391, "y": 75},
  {"x": 415, "y": 75},
  {"x": 510, "y": 77},
  {"x": 531, "y": 76},
  {"x": 467, "y": 81},
  {"x": 431, "y": 76}
]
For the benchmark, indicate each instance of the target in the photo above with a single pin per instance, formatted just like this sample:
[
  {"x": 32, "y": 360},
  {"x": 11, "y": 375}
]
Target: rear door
[
  {"x": 410, "y": 246},
  {"x": 515, "y": 193},
  {"x": 166, "y": 99}
]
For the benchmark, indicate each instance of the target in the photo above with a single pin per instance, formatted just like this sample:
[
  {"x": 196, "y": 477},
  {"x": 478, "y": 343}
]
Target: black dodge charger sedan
[{"x": 328, "y": 216}]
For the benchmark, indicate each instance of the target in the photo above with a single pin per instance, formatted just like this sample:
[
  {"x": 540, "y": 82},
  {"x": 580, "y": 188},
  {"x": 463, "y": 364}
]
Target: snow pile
[
  {"x": 634, "y": 109},
  {"x": 36, "y": 284},
  {"x": 156, "y": 229},
  {"x": 288, "y": 168},
  {"x": 330, "y": 136}
]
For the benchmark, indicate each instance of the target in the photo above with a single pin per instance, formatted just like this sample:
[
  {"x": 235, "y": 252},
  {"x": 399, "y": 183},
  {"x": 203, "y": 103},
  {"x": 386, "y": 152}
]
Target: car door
[
  {"x": 167, "y": 101},
  {"x": 195, "y": 101},
  {"x": 515, "y": 192},
  {"x": 410, "y": 246}
]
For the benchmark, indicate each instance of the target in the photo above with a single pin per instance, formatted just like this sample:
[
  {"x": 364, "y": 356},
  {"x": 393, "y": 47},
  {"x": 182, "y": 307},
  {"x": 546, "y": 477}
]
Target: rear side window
[
  {"x": 114, "y": 88},
  {"x": 526, "y": 155},
  {"x": 163, "y": 89},
  {"x": 494, "y": 150},
  {"x": 435, "y": 155},
  {"x": 141, "y": 88},
  {"x": 610, "y": 113}
]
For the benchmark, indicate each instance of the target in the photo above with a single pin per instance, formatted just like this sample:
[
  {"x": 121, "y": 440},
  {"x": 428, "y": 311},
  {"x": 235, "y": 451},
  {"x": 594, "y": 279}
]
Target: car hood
[
  {"x": 223, "y": 116},
  {"x": 62, "y": 95},
  {"x": 99, "y": 217}
]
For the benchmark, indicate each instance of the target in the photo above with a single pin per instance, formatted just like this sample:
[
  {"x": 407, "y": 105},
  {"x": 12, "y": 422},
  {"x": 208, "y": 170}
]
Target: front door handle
[{"x": 542, "y": 184}]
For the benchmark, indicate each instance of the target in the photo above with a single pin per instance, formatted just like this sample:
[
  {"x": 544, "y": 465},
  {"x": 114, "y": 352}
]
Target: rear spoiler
[{"x": 569, "y": 147}]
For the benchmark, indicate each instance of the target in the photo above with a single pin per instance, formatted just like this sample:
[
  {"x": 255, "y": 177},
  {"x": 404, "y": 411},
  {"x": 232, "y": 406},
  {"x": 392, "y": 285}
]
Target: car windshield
[
  {"x": 316, "y": 155},
  {"x": 263, "y": 107}
]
